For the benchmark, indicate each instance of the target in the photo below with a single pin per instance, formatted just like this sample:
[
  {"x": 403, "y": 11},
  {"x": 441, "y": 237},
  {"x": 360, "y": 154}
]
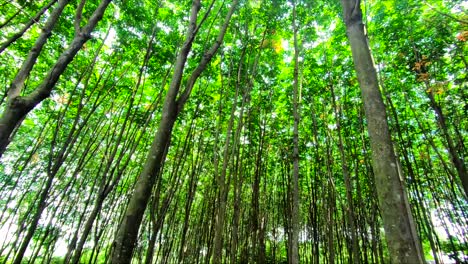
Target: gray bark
[
  {"x": 31, "y": 22},
  {"x": 128, "y": 231},
  {"x": 295, "y": 211},
  {"x": 17, "y": 107},
  {"x": 403, "y": 242},
  {"x": 454, "y": 155}
]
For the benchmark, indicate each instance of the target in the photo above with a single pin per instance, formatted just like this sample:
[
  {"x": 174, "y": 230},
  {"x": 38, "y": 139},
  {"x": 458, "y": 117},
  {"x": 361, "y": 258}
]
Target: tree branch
[
  {"x": 78, "y": 16},
  {"x": 17, "y": 84},
  {"x": 205, "y": 59},
  {"x": 445, "y": 14},
  {"x": 31, "y": 22}
]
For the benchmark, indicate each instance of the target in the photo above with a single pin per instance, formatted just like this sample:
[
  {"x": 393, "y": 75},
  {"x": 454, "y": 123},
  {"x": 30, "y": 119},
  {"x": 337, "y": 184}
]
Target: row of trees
[{"x": 233, "y": 131}]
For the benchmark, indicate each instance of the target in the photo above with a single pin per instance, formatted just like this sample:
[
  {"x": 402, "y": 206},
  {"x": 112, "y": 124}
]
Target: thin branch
[
  {"x": 204, "y": 17},
  {"x": 78, "y": 16},
  {"x": 31, "y": 22},
  {"x": 17, "y": 84},
  {"x": 205, "y": 59},
  {"x": 445, "y": 14}
]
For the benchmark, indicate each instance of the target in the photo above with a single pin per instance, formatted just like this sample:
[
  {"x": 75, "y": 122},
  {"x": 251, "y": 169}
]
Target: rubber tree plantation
[{"x": 234, "y": 131}]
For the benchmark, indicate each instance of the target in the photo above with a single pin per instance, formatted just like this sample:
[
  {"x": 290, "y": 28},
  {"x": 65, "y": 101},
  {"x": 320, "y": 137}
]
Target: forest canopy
[{"x": 233, "y": 131}]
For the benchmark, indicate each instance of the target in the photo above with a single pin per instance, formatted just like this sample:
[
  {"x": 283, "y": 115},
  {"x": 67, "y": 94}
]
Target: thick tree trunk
[
  {"x": 403, "y": 242},
  {"x": 426, "y": 226}
]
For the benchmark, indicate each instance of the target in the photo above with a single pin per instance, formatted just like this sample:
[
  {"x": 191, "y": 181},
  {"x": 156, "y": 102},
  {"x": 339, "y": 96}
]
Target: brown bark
[{"x": 403, "y": 242}]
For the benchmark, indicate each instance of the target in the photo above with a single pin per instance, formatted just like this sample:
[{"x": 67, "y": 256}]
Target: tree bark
[
  {"x": 350, "y": 214},
  {"x": 25, "y": 28},
  {"x": 126, "y": 237},
  {"x": 454, "y": 155},
  {"x": 295, "y": 208},
  {"x": 128, "y": 230},
  {"x": 403, "y": 242},
  {"x": 17, "y": 107}
]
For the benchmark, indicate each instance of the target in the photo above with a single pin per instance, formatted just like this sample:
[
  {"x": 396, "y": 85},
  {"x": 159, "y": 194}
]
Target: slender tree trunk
[
  {"x": 256, "y": 222},
  {"x": 126, "y": 237},
  {"x": 37, "y": 215},
  {"x": 460, "y": 166},
  {"x": 314, "y": 203},
  {"x": 192, "y": 188},
  {"x": 127, "y": 234},
  {"x": 331, "y": 206},
  {"x": 238, "y": 181},
  {"x": 295, "y": 208},
  {"x": 349, "y": 210},
  {"x": 286, "y": 205},
  {"x": 54, "y": 164},
  {"x": 403, "y": 242},
  {"x": 17, "y": 107},
  {"x": 223, "y": 188},
  {"x": 31, "y": 22},
  {"x": 223, "y": 184}
]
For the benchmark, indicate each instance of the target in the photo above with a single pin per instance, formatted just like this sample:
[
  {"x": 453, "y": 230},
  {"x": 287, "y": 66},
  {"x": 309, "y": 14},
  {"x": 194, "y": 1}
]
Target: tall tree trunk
[
  {"x": 403, "y": 242},
  {"x": 426, "y": 225},
  {"x": 128, "y": 230},
  {"x": 460, "y": 166},
  {"x": 54, "y": 164},
  {"x": 238, "y": 179},
  {"x": 331, "y": 205},
  {"x": 126, "y": 237},
  {"x": 295, "y": 208},
  {"x": 349, "y": 210},
  {"x": 228, "y": 153},
  {"x": 315, "y": 181}
]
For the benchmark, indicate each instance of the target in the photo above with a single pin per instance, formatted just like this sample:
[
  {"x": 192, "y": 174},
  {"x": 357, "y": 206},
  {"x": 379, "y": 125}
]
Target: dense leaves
[{"x": 70, "y": 170}]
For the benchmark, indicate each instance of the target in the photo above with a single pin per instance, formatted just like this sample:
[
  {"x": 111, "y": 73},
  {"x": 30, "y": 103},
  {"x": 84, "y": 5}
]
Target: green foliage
[{"x": 93, "y": 133}]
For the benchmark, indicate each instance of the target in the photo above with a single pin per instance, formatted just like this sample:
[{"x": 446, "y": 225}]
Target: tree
[
  {"x": 403, "y": 242},
  {"x": 236, "y": 133},
  {"x": 295, "y": 212},
  {"x": 173, "y": 105},
  {"x": 18, "y": 106}
]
